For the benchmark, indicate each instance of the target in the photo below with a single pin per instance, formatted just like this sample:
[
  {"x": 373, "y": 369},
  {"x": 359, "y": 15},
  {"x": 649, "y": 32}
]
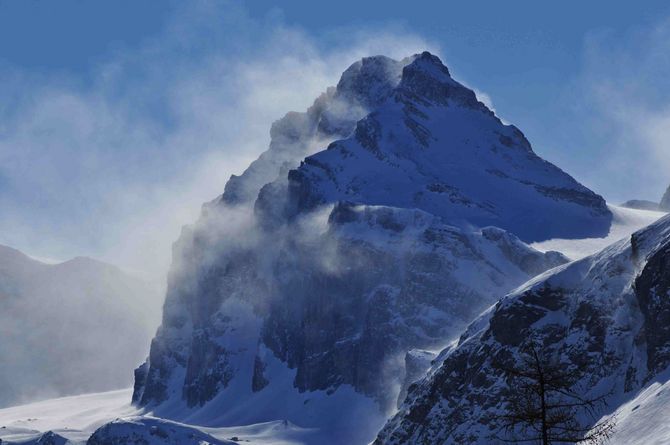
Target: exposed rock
[{"x": 605, "y": 316}]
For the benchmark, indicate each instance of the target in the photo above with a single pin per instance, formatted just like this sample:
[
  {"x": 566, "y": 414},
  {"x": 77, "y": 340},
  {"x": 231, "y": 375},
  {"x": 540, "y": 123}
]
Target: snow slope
[
  {"x": 433, "y": 146},
  {"x": 76, "y": 418},
  {"x": 644, "y": 419},
  {"x": 624, "y": 223},
  {"x": 313, "y": 327}
]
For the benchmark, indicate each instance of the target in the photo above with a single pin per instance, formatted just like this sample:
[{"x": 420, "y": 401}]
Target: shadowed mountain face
[
  {"x": 305, "y": 290},
  {"x": 605, "y": 318},
  {"x": 69, "y": 328},
  {"x": 433, "y": 146}
]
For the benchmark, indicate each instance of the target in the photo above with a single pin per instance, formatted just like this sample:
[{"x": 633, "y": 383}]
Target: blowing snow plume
[{"x": 112, "y": 162}]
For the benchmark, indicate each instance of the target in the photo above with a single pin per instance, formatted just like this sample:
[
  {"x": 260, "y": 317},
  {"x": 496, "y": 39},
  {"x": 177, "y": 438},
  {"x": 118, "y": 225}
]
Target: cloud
[
  {"x": 112, "y": 163},
  {"x": 624, "y": 99},
  {"x": 486, "y": 100}
]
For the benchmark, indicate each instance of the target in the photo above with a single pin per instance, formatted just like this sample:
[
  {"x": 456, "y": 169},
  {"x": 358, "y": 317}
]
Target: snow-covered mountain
[
  {"x": 308, "y": 291},
  {"x": 69, "y": 328},
  {"x": 362, "y": 87},
  {"x": 606, "y": 315}
]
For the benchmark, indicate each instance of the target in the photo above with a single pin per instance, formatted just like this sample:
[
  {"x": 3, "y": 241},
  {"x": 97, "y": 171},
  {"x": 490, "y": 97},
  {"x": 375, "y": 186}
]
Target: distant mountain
[
  {"x": 641, "y": 204},
  {"x": 310, "y": 290},
  {"x": 606, "y": 318},
  {"x": 69, "y": 328}
]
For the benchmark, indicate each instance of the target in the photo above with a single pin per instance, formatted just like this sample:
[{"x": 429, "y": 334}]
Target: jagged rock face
[
  {"x": 606, "y": 315},
  {"x": 665, "y": 201},
  {"x": 318, "y": 289},
  {"x": 341, "y": 307},
  {"x": 432, "y": 145},
  {"x": 363, "y": 87}
]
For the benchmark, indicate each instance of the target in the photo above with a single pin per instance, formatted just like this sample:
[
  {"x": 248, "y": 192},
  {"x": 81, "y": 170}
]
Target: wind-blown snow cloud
[
  {"x": 627, "y": 109},
  {"x": 114, "y": 163}
]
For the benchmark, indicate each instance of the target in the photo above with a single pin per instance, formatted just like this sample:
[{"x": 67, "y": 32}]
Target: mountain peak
[
  {"x": 433, "y": 146},
  {"x": 370, "y": 80},
  {"x": 430, "y": 63},
  {"x": 364, "y": 86},
  {"x": 427, "y": 80}
]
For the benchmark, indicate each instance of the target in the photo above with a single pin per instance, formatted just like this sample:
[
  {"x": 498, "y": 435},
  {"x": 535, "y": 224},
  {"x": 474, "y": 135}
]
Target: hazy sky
[{"x": 118, "y": 119}]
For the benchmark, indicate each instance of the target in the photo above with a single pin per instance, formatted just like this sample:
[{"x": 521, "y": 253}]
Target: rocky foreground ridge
[{"x": 606, "y": 315}]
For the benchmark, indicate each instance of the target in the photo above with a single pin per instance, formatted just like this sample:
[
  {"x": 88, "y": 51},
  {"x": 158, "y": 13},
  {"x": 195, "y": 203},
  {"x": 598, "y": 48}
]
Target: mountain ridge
[
  {"x": 602, "y": 315},
  {"x": 432, "y": 145}
]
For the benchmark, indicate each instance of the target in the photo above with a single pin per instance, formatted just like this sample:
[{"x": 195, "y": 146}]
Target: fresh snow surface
[
  {"x": 644, "y": 419},
  {"x": 341, "y": 416},
  {"x": 626, "y": 221},
  {"x": 76, "y": 418}
]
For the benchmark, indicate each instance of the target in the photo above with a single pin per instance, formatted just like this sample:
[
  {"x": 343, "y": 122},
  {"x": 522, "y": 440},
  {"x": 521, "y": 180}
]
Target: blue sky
[{"x": 118, "y": 119}]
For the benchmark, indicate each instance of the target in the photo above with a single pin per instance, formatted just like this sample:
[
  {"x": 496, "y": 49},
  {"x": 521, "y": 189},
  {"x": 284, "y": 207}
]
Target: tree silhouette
[{"x": 542, "y": 406}]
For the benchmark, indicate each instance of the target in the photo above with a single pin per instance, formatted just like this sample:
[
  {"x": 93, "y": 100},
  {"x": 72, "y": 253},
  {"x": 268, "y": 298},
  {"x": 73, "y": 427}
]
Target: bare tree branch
[{"x": 542, "y": 405}]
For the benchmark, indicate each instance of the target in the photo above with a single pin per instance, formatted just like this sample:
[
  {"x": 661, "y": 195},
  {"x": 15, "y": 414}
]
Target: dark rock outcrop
[
  {"x": 604, "y": 317},
  {"x": 338, "y": 307}
]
